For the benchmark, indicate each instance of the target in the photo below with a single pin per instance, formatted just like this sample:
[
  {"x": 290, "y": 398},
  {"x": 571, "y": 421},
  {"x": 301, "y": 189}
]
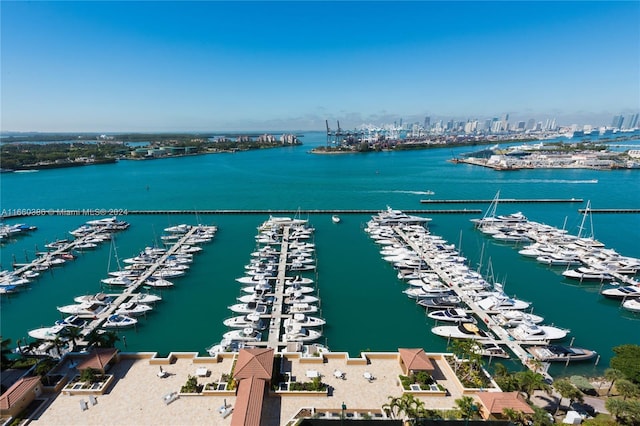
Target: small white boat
[
  {"x": 528, "y": 332},
  {"x": 297, "y": 280},
  {"x": 119, "y": 321},
  {"x": 621, "y": 292},
  {"x": 632, "y": 305},
  {"x": 451, "y": 315},
  {"x": 513, "y": 318},
  {"x": 335, "y": 218},
  {"x": 588, "y": 274},
  {"x": 225, "y": 345},
  {"x": 85, "y": 309},
  {"x": 297, "y": 287},
  {"x": 122, "y": 281},
  {"x": 461, "y": 331},
  {"x": 133, "y": 309},
  {"x": 302, "y": 308},
  {"x": 47, "y": 333},
  {"x": 95, "y": 298},
  {"x": 247, "y": 334},
  {"x": 496, "y": 303},
  {"x": 298, "y": 297},
  {"x": 145, "y": 298},
  {"x": 303, "y": 321},
  {"x": 246, "y": 308},
  {"x": 492, "y": 350},
  {"x": 297, "y": 333},
  {"x": 72, "y": 321},
  {"x": 157, "y": 282},
  {"x": 251, "y": 320}
]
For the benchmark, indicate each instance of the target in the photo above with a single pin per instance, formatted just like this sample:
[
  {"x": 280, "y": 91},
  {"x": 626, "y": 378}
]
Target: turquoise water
[{"x": 362, "y": 299}]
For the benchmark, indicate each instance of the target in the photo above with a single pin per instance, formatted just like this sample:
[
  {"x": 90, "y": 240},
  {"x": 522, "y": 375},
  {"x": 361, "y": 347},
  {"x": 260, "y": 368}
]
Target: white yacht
[
  {"x": 304, "y": 321},
  {"x": 621, "y": 292},
  {"x": 588, "y": 274},
  {"x": 461, "y": 331},
  {"x": 559, "y": 353},
  {"x": 496, "y": 303},
  {"x": 298, "y": 297},
  {"x": 246, "y": 308},
  {"x": 47, "y": 333},
  {"x": 133, "y": 309},
  {"x": 302, "y": 308},
  {"x": 157, "y": 282},
  {"x": 85, "y": 309},
  {"x": 123, "y": 281},
  {"x": 513, "y": 318},
  {"x": 632, "y": 305},
  {"x": 96, "y": 298},
  {"x": 297, "y": 280},
  {"x": 248, "y": 334},
  {"x": 145, "y": 298},
  {"x": 527, "y": 331},
  {"x": 119, "y": 321},
  {"x": 297, "y": 333},
  {"x": 251, "y": 320},
  {"x": 451, "y": 315}
]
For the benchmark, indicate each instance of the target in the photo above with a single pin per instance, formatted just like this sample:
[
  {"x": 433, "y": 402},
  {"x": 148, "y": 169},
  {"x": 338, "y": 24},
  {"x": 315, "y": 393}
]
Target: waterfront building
[{"x": 617, "y": 121}]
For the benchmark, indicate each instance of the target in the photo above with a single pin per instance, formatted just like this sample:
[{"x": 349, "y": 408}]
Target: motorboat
[
  {"x": 47, "y": 333},
  {"x": 258, "y": 289},
  {"x": 247, "y": 334},
  {"x": 255, "y": 297},
  {"x": 297, "y": 333},
  {"x": 428, "y": 291},
  {"x": 165, "y": 273},
  {"x": 245, "y": 308},
  {"x": 123, "y": 281},
  {"x": 632, "y": 305},
  {"x": 252, "y": 320},
  {"x": 85, "y": 309},
  {"x": 255, "y": 279},
  {"x": 145, "y": 298},
  {"x": 72, "y": 321},
  {"x": 302, "y": 308},
  {"x": 299, "y": 297},
  {"x": 513, "y": 318},
  {"x": 178, "y": 229},
  {"x": 490, "y": 349},
  {"x": 298, "y": 266},
  {"x": 584, "y": 273},
  {"x": 462, "y": 331},
  {"x": 304, "y": 321},
  {"x": 559, "y": 259},
  {"x": 527, "y": 331},
  {"x": 225, "y": 345},
  {"x": 560, "y": 353},
  {"x": 397, "y": 217},
  {"x": 451, "y": 315},
  {"x": 297, "y": 280},
  {"x": 157, "y": 282},
  {"x": 119, "y": 321},
  {"x": 133, "y": 309},
  {"x": 298, "y": 288},
  {"x": 621, "y": 292},
  {"x": 335, "y": 218},
  {"x": 102, "y": 298},
  {"x": 441, "y": 302},
  {"x": 495, "y": 303}
]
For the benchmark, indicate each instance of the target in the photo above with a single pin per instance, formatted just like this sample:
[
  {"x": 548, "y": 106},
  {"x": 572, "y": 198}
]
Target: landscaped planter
[{"x": 76, "y": 387}]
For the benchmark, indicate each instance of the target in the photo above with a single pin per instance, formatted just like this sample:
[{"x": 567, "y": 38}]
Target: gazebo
[
  {"x": 414, "y": 360},
  {"x": 253, "y": 373},
  {"x": 99, "y": 359}
]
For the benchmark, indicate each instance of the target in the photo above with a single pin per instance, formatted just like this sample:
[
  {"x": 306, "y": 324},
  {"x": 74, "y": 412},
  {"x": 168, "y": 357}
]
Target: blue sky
[{"x": 176, "y": 66}]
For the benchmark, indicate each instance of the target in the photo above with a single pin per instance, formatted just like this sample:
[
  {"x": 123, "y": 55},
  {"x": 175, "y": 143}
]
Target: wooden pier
[
  {"x": 502, "y": 336},
  {"x": 137, "y": 283},
  {"x": 583, "y": 211}
]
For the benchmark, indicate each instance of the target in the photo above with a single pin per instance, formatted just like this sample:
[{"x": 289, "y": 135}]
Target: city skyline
[{"x": 201, "y": 66}]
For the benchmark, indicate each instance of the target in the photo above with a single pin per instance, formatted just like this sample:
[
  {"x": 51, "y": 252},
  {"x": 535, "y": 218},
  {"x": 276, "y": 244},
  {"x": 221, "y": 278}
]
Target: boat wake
[
  {"x": 400, "y": 191},
  {"x": 566, "y": 181}
]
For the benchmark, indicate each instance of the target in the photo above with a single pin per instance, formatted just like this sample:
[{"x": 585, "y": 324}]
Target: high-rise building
[
  {"x": 520, "y": 125},
  {"x": 617, "y": 121},
  {"x": 631, "y": 122},
  {"x": 531, "y": 124},
  {"x": 427, "y": 122}
]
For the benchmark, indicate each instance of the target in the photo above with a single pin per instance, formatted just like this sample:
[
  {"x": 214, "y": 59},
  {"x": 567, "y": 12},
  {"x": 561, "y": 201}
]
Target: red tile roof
[
  {"x": 17, "y": 391},
  {"x": 416, "y": 360},
  {"x": 248, "y": 409},
  {"x": 256, "y": 363},
  {"x": 97, "y": 359},
  {"x": 495, "y": 402}
]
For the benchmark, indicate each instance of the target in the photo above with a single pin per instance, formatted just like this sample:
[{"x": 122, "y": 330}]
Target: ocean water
[{"x": 361, "y": 298}]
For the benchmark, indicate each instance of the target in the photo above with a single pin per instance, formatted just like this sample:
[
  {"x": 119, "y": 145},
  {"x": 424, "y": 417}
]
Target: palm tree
[
  {"x": 616, "y": 407},
  {"x": 408, "y": 404},
  {"x": 73, "y": 333},
  {"x": 529, "y": 381},
  {"x": 612, "y": 374},
  {"x": 626, "y": 388},
  {"x": 467, "y": 406},
  {"x": 515, "y": 416},
  {"x": 566, "y": 389},
  {"x": 395, "y": 406}
]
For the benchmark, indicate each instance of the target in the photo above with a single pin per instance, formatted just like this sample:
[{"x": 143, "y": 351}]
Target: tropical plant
[
  {"x": 191, "y": 386},
  {"x": 529, "y": 381},
  {"x": 626, "y": 360},
  {"x": 516, "y": 416},
  {"x": 73, "y": 333},
  {"x": 566, "y": 389},
  {"x": 407, "y": 404},
  {"x": 612, "y": 374},
  {"x": 626, "y": 389},
  {"x": 466, "y": 406},
  {"x": 88, "y": 375}
]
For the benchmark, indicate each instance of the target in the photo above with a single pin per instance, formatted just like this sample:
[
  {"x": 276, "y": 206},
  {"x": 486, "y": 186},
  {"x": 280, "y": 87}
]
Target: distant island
[{"x": 37, "y": 151}]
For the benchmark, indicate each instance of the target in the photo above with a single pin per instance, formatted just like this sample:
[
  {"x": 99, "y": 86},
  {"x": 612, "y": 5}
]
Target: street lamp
[{"x": 344, "y": 407}]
